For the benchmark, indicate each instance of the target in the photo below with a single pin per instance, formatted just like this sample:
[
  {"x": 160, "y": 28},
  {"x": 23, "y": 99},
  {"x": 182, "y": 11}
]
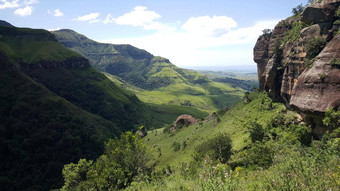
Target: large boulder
[
  {"x": 184, "y": 120},
  {"x": 320, "y": 12}
]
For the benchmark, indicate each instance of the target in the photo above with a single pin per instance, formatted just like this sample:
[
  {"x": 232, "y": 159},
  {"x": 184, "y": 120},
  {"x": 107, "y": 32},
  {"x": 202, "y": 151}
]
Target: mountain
[
  {"x": 298, "y": 62},
  {"x": 159, "y": 81},
  {"x": 5, "y": 24},
  {"x": 55, "y": 108}
]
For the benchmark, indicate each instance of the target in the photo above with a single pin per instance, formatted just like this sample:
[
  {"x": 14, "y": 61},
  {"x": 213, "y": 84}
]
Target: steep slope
[
  {"x": 298, "y": 62},
  {"x": 54, "y": 109},
  {"x": 160, "y": 80}
]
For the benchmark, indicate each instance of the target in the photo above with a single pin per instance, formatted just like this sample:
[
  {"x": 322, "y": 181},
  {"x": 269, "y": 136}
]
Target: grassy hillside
[
  {"x": 255, "y": 145},
  {"x": 55, "y": 109},
  {"x": 234, "y": 122},
  {"x": 271, "y": 150},
  {"x": 158, "y": 81},
  {"x": 40, "y": 132}
]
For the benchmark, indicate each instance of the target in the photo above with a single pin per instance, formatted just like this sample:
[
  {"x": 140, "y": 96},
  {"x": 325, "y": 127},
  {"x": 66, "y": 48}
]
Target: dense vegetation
[
  {"x": 256, "y": 145},
  {"x": 54, "y": 109},
  {"x": 40, "y": 132}
]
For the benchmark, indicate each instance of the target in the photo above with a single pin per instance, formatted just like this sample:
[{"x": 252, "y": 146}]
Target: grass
[
  {"x": 294, "y": 167},
  {"x": 39, "y": 45},
  {"x": 233, "y": 123}
]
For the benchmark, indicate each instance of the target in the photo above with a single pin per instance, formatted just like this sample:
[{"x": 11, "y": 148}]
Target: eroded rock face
[
  {"x": 284, "y": 66},
  {"x": 300, "y": 71},
  {"x": 318, "y": 88}
]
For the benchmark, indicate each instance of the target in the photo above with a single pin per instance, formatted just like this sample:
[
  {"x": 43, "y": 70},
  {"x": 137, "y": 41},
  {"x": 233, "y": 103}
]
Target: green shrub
[
  {"x": 75, "y": 173},
  {"x": 332, "y": 118},
  {"x": 259, "y": 154},
  {"x": 176, "y": 146},
  {"x": 298, "y": 9},
  {"x": 293, "y": 34},
  {"x": 315, "y": 46},
  {"x": 217, "y": 148},
  {"x": 322, "y": 76},
  {"x": 256, "y": 132},
  {"x": 336, "y": 62},
  {"x": 125, "y": 160},
  {"x": 267, "y": 33}
]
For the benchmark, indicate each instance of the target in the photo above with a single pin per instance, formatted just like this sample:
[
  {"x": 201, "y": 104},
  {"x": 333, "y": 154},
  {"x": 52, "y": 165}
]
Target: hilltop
[{"x": 158, "y": 81}]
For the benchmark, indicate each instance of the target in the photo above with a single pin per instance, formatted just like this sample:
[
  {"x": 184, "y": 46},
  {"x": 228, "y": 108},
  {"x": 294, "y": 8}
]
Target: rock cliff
[{"x": 299, "y": 60}]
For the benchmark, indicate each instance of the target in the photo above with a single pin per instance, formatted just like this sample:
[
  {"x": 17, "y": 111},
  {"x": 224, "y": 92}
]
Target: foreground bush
[{"x": 125, "y": 160}]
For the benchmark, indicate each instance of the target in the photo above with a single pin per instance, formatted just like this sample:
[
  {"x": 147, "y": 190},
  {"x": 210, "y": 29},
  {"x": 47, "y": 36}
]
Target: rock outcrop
[
  {"x": 291, "y": 52},
  {"x": 183, "y": 120},
  {"x": 318, "y": 88},
  {"x": 298, "y": 62}
]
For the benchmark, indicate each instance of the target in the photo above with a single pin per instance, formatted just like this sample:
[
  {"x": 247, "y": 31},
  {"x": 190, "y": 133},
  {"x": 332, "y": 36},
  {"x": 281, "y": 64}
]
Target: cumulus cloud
[
  {"x": 4, "y": 4},
  {"x": 56, "y": 13},
  {"x": 209, "y": 26},
  {"x": 140, "y": 16},
  {"x": 55, "y": 29},
  {"x": 24, "y": 11},
  {"x": 91, "y": 18},
  {"x": 30, "y": 2},
  {"x": 214, "y": 40}
]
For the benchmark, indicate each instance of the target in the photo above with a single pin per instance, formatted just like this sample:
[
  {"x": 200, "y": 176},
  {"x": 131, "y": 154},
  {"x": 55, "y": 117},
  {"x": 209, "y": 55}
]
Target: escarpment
[{"x": 298, "y": 61}]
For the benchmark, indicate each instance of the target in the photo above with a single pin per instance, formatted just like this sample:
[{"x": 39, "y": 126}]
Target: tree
[
  {"x": 124, "y": 161},
  {"x": 256, "y": 132},
  {"x": 217, "y": 148},
  {"x": 75, "y": 173},
  {"x": 298, "y": 9}
]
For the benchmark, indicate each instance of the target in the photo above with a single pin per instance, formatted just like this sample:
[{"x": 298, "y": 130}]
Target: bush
[
  {"x": 75, "y": 173},
  {"x": 298, "y": 9},
  {"x": 293, "y": 34},
  {"x": 176, "y": 146},
  {"x": 267, "y": 33},
  {"x": 125, "y": 160},
  {"x": 217, "y": 148},
  {"x": 256, "y": 132},
  {"x": 315, "y": 46},
  {"x": 259, "y": 154}
]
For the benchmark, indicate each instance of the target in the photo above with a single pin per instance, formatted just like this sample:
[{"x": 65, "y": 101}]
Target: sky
[{"x": 191, "y": 33}]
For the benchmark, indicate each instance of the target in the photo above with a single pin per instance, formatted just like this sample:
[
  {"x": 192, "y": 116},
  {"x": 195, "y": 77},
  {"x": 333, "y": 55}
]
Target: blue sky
[{"x": 191, "y": 33}]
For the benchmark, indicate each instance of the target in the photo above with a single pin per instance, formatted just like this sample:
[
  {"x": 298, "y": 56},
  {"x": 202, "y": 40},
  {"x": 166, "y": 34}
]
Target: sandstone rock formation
[
  {"x": 185, "y": 120},
  {"x": 298, "y": 62},
  {"x": 291, "y": 67}
]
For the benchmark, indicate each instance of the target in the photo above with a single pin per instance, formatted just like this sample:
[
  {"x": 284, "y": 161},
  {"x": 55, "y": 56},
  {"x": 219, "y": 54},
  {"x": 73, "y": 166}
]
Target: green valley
[{"x": 156, "y": 79}]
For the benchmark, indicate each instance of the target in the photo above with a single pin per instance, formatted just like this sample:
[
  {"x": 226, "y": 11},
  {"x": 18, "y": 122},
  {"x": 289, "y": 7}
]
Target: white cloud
[
  {"x": 24, "y": 11},
  {"x": 204, "y": 40},
  {"x": 91, "y": 18},
  {"x": 109, "y": 19},
  {"x": 55, "y": 29},
  {"x": 4, "y": 4},
  {"x": 209, "y": 26},
  {"x": 139, "y": 17},
  {"x": 31, "y": 2},
  {"x": 56, "y": 13}
]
